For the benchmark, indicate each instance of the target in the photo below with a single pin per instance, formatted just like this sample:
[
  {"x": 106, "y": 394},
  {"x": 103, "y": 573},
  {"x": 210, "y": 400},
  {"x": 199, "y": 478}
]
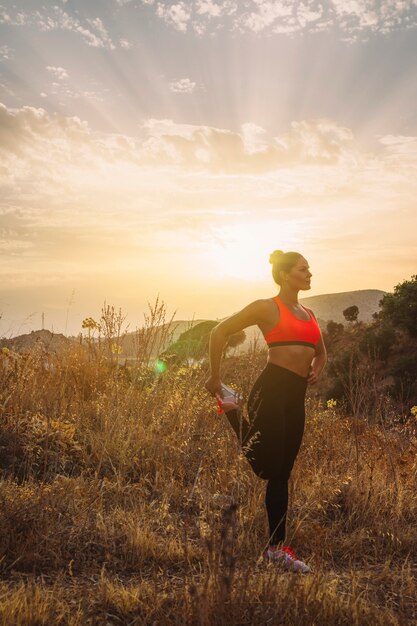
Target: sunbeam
[{"x": 146, "y": 146}]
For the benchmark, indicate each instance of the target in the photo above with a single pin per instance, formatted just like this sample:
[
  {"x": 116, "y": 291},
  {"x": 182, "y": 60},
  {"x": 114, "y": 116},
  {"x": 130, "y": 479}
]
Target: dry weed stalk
[{"x": 107, "y": 512}]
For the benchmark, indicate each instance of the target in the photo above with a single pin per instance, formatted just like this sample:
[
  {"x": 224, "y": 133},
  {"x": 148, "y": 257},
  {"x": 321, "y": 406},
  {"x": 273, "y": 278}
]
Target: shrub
[
  {"x": 404, "y": 372},
  {"x": 377, "y": 341},
  {"x": 400, "y": 308}
]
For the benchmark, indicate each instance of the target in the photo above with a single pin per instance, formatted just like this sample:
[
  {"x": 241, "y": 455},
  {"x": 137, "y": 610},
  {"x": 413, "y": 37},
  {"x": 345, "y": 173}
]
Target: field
[{"x": 125, "y": 500}]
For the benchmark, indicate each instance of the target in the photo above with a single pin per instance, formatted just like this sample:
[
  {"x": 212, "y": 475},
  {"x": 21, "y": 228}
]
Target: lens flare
[{"x": 160, "y": 367}]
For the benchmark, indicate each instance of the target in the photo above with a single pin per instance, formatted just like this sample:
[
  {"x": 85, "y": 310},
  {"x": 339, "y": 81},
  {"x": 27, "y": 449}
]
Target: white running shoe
[
  {"x": 230, "y": 400},
  {"x": 284, "y": 556}
]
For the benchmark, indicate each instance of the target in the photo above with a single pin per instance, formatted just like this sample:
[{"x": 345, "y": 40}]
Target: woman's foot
[{"x": 284, "y": 556}]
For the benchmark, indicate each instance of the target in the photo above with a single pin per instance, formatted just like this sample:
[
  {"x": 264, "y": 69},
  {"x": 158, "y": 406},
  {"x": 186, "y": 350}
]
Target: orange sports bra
[{"x": 291, "y": 330}]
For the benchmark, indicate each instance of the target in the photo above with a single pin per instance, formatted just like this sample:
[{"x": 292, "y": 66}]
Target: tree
[
  {"x": 400, "y": 308},
  {"x": 377, "y": 340},
  {"x": 334, "y": 329},
  {"x": 235, "y": 340},
  {"x": 351, "y": 313},
  {"x": 194, "y": 343},
  {"x": 191, "y": 344}
]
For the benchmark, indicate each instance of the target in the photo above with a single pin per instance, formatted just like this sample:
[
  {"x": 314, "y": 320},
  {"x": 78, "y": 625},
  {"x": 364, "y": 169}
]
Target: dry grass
[{"x": 125, "y": 500}]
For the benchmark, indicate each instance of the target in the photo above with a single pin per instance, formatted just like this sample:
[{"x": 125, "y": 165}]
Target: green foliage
[
  {"x": 400, "y": 308},
  {"x": 199, "y": 332},
  {"x": 362, "y": 361},
  {"x": 236, "y": 339},
  {"x": 333, "y": 335},
  {"x": 404, "y": 373},
  {"x": 377, "y": 341},
  {"x": 343, "y": 371},
  {"x": 191, "y": 344},
  {"x": 194, "y": 343},
  {"x": 333, "y": 328},
  {"x": 351, "y": 313}
]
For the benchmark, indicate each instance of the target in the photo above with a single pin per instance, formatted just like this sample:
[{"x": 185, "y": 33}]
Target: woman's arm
[{"x": 252, "y": 314}]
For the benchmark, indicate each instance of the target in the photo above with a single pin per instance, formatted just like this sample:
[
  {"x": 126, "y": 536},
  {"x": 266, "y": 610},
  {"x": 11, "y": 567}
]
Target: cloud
[
  {"x": 251, "y": 150},
  {"x": 125, "y": 43},
  {"x": 61, "y": 89},
  {"x": 60, "y": 180},
  {"x": 215, "y": 9},
  {"x": 98, "y": 26},
  {"x": 6, "y": 52},
  {"x": 266, "y": 14},
  {"x": 56, "y": 151},
  {"x": 6, "y": 89},
  {"x": 352, "y": 18},
  {"x": 53, "y": 142},
  {"x": 91, "y": 30},
  {"x": 59, "y": 72},
  {"x": 17, "y": 18},
  {"x": 65, "y": 92},
  {"x": 176, "y": 15},
  {"x": 184, "y": 85},
  {"x": 100, "y": 210},
  {"x": 400, "y": 148}
]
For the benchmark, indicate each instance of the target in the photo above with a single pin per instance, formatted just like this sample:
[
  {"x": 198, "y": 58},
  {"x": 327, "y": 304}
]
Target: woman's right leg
[{"x": 238, "y": 423}]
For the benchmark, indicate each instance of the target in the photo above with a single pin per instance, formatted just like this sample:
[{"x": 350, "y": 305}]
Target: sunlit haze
[{"x": 158, "y": 148}]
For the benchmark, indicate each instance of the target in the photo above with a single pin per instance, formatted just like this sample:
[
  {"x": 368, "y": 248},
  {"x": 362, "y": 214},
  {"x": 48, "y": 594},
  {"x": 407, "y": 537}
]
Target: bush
[
  {"x": 377, "y": 341},
  {"x": 400, "y": 308},
  {"x": 404, "y": 373}
]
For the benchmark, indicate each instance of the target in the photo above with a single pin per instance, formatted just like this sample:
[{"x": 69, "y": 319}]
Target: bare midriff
[{"x": 295, "y": 358}]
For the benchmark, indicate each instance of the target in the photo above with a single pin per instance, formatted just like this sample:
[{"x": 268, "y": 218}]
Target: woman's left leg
[
  {"x": 287, "y": 436},
  {"x": 276, "y": 502}
]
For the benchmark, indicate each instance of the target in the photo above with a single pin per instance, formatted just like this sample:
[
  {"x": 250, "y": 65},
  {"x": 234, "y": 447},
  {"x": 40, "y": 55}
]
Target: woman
[{"x": 296, "y": 357}]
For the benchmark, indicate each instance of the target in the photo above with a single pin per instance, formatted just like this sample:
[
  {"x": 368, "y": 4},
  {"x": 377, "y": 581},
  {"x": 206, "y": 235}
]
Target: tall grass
[{"x": 125, "y": 499}]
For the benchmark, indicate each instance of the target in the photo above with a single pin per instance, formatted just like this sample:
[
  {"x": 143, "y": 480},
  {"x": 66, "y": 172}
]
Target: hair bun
[{"x": 275, "y": 256}]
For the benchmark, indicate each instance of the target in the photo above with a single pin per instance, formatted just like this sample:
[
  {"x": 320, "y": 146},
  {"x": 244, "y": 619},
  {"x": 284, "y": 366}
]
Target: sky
[{"x": 153, "y": 149}]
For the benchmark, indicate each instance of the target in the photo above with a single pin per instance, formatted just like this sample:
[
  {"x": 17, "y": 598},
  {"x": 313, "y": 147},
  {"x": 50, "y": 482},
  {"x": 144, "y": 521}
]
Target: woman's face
[{"x": 299, "y": 276}]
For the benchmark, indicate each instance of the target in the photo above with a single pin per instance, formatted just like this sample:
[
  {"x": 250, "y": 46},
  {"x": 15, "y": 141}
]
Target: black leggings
[{"x": 272, "y": 437}]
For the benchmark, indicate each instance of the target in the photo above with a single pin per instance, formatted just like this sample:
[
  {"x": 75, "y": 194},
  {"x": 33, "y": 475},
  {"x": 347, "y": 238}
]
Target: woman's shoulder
[
  {"x": 256, "y": 312},
  {"x": 265, "y": 308},
  {"x": 260, "y": 307},
  {"x": 265, "y": 305}
]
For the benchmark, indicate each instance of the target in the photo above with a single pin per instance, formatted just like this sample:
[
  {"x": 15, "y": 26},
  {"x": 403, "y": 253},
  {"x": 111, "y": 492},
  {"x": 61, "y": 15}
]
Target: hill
[
  {"x": 22, "y": 343},
  {"x": 331, "y": 306},
  {"x": 326, "y": 307}
]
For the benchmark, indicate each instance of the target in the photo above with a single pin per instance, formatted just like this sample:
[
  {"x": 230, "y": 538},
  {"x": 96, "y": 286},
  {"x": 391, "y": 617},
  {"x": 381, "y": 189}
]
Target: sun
[{"x": 242, "y": 250}]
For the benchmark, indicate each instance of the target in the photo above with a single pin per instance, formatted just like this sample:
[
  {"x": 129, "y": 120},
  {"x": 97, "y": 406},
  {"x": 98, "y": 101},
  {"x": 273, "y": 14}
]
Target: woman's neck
[{"x": 288, "y": 296}]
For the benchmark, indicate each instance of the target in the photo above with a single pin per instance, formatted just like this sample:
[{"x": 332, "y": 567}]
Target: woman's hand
[
  {"x": 316, "y": 369},
  {"x": 312, "y": 376},
  {"x": 213, "y": 385},
  {"x": 318, "y": 363}
]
